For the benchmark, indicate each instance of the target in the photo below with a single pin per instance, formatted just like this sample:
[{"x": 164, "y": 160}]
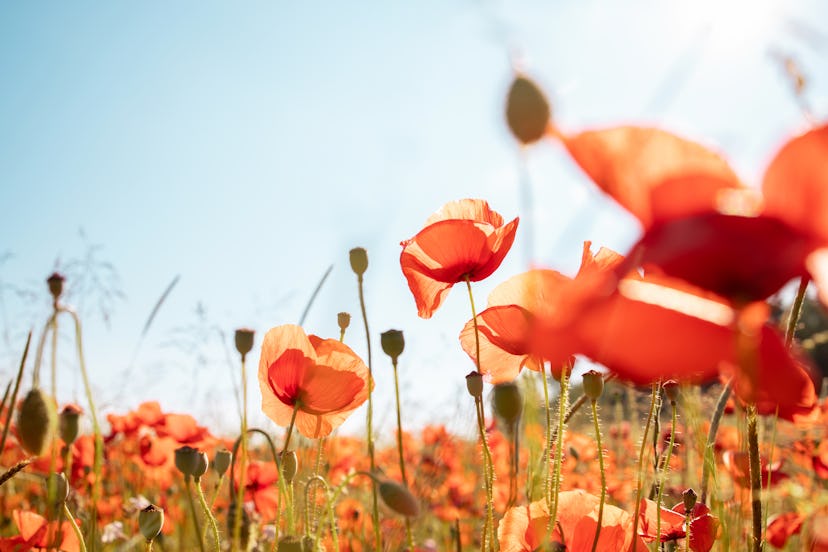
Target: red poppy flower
[
  {"x": 36, "y": 533},
  {"x": 464, "y": 239},
  {"x": 687, "y": 202},
  {"x": 737, "y": 465},
  {"x": 525, "y": 528},
  {"x": 322, "y": 379},
  {"x": 704, "y": 526},
  {"x": 782, "y": 527}
]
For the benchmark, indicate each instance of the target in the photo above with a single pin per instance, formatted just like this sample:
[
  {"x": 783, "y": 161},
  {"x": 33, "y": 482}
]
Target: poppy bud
[
  {"x": 399, "y": 498},
  {"x": 289, "y": 464},
  {"x": 343, "y": 319},
  {"x": 393, "y": 343},
  {"x": 221, "y": 461},
  {"x": 593, "y": 383},
  {"x": 359, "y": 260},
  {"x": 187, "y": 460},
  {"x": 202, "y": 463},
  {"x": 290, "y": 543},
  {"x": 689, "y": 497},
  {"x": 57, "y": 486},
  {"x": 68, "y": 423},
  {"x": 150, "y": 522},
  {"x": 244, "y": 341},
  {"x": 671, "y": 390},
  {"x": 55, "y": 282},
  {"x": 474, "y": 383},
  {"x": 527, "y": 110},
  {"x": 36, "y": 422},
  {"x": 507, "y": 402}
]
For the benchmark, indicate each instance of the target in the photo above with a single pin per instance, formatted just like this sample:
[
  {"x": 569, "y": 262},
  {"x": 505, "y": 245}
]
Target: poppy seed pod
[
  {"x": 221, "y": 461},
  {"x": 343, "y": 320},
  {"x": 474, "y": 383},
  {"x": 593, "y": 383},
  {"x": 399, "y": 498},
  {"x": 507, "y": 402},
  {"x": 359, "y": 260},
  {"x": 55, "y": 282},
  {"x": 68, "y": 423},
  {"x": 393, "y": 343},
  {"x": 527, "y": 110},
  {"x": 36, "y": 421},
  {"x": 56, "y": 483},
  {"x": 290, "y": 464},
  {"x": 671, "y": 389},
  {"x": 187, "y": 460},
  {"x": 150, "y": 522},
  {"x": 202, "y": 463},
  {"x": 689, "y": 497},
  {"x": 244, "y": 341}
]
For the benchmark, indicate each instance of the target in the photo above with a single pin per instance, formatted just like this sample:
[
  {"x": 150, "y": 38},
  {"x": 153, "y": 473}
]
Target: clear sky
[{"x": 247, "y": 146}]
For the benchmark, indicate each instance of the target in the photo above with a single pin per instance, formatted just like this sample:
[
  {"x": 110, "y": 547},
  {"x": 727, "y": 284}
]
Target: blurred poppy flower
[
  {"x": 463, "y": 240},
  {"x": 701, "y": 224},
  {"x": 704, "y": 526},
  {"x": 36, "y": 533},
  {"x": 323, "y": 379},
  {"x": 525, "y": 528},
  {"x": 782, "y": 527},
  {"x": 737, "y": 465}
]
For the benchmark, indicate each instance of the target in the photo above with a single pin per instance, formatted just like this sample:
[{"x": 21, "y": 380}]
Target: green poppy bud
[
  {"x": 474, "y": 383},
  {"x": 507, "y": 402},
  {"x": 244, "y": 341},
  {"x": 36, "y": 421},
  {"x": 399, "y": 498},
  {"x": 150, "y": 522},
  {"x": 222, "y": 460},
  {"x": 289, "y": 464},
  {"x": 359, "y": 260},
  {"x": 202, "y": 463},
  {"x": 68, "y": 423},
  {"x": 57, "y": 486},
  {"x": 593, "y": 383},
  {"x": 527, "y": 110},
  {"x": 187, "y": 460},
  {"x": 392, "y": 343}
]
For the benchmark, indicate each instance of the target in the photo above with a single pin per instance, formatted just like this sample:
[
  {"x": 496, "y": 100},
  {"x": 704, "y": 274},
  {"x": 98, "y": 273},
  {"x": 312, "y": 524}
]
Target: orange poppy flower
[
  {"x": 464, "y": 239},
  {"x": 782, "y": 527},
  {"x": 687, "y": 200},
  {"x": 704, "y": 526},
  {"x": 323, "y": 379},
  {"x": 36, "y": 533},
  {"x": 524, "y": 528}
]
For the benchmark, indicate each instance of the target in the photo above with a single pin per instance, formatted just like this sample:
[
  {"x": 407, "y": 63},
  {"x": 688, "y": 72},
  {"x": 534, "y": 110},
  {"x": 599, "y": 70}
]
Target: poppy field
[{"x": 663, "y": 398}]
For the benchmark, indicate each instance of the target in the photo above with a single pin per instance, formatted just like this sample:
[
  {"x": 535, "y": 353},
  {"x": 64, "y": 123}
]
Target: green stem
[
  {"x": 196, "y": 524},
  {"x": 237, "y": 515},
  {"x": 408, "y": 536},
  {"x": 563, "y": 401},
  {"x": 370, "y": 417},
  {"x": 755, "y": 478},
  {"x": 796, "y": 310},
  {"x": 547, "y": 456},
  {"x": 75, "y": 528},
  {"x": 640, "y": 471},
  {"x": 208, "y": 514},
  {"x": 597, "y": 427},
  {"x": 665, "y": 467}
]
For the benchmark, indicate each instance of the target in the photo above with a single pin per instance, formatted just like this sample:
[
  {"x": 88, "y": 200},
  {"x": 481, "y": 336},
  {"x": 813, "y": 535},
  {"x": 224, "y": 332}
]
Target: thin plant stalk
[
  {"x": 666, "y": 466},
  {"x": 709, "y": 462},
  {"x": 283, "y": 487},
  {"x": 75, "y": 528},
  {"x": 408, "y": 537},
  {"x": 547, "y": 457},
  {"x": 563, "y": 401},
  {"x": 208, "y": 514},
  {"x": 196, "y": 524},
  {"x": 13, "y": 400},
  {"x": 237, "y": 514},
  {"x": 488, "y": 467},
  {"x": 597, "y": 427},
  {"x": 755, "y": 478},
  {"x": 639, "y": 475},
  {"x": 796, "y": 310},
  {"x": 369, "y": 418}
]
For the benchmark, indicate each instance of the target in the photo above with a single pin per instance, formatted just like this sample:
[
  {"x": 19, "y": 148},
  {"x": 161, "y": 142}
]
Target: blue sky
[{"x": 248, "y": 146}]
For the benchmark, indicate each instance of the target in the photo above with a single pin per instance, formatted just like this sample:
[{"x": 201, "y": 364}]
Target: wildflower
[
  {"x": 37, "y": 533},
  {"x": 704, "y": 526},
  {"x": 463, "y": 240},
  {"x": 322, "y": 379}
]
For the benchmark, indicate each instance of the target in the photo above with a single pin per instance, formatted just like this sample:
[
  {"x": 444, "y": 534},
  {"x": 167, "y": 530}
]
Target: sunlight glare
[{"x": 732, "y": 25}]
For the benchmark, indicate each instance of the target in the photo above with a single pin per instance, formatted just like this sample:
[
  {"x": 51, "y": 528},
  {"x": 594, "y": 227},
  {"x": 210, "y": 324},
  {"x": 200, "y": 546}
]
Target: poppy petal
[
  {"x": 325, "y": 390},
  {"x": 631, "y": 164},
  {"x": 796, "y": 183},
  {"x": 504, "y": 333},
  {"x": 467, "y": 209}
]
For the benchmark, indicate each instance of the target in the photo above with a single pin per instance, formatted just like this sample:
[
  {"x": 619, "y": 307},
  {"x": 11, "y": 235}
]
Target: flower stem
[
  {"x": 709, "y": 461},
  {"x": 640, "y": 471},
  {"x": 196, "y": 524},
  {"x": 665, "y": 467},
  {"x": 408, "y": 537},
  {"x": 237, "y": 514},
  {"x": 796, "y": 310},
  {"x": 563, "y": 399},
  {"x": 547, "y": 461},
  {"x": 208, "y": 514},
  {"x": 597, "y": 426},
  {"x": 75, "y": 528},
  {"x": 755, "y": 477},
  {"x": 369, "y": 421}
]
